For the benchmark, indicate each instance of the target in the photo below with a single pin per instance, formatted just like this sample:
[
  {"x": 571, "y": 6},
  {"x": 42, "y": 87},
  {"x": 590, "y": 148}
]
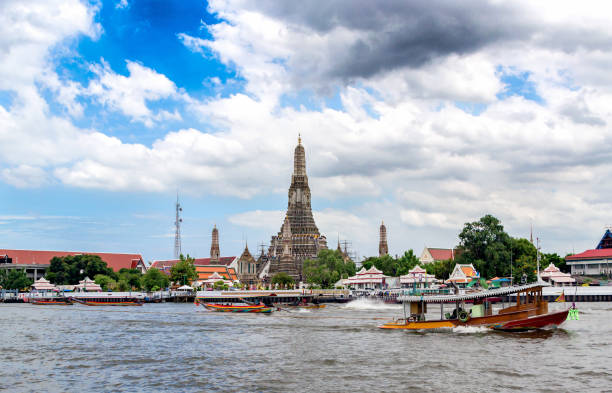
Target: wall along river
[{"x": 184, "y": 348}]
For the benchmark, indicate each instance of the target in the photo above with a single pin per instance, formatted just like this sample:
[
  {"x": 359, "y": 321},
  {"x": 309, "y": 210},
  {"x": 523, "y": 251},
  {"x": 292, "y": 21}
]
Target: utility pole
[
  {"x": 177, "y": 233},
  {"x": 538, "y": 257}
]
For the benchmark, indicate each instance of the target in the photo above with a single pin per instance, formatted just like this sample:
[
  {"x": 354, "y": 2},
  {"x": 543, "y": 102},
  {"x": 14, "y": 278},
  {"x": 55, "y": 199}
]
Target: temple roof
[{"x": 606, "y": 240}]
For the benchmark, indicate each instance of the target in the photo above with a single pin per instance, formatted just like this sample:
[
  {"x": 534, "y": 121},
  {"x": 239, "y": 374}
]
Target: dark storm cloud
[{"x": 399, "y": 34}]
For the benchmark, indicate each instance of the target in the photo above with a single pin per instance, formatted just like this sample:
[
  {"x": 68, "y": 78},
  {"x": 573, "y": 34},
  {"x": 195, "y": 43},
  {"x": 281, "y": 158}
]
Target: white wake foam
[
  {"x": 470, "y": 329},
  {"x": 370, "y": 304}
]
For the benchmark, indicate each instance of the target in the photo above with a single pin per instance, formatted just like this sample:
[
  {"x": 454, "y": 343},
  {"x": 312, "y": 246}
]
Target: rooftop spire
[{"x": 299, "y": 159}]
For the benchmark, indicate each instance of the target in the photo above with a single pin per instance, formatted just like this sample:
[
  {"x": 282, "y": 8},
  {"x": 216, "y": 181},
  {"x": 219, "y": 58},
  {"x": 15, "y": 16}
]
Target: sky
[{"x": 426, "y": 115}]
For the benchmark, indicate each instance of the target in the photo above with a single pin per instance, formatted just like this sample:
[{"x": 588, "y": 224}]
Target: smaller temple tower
[
  {"x": 214, "y": 246},
  {"x": 383, "y": 248}
]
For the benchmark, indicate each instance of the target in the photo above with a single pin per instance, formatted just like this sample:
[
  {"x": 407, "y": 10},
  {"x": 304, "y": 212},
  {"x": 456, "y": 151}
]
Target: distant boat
[
  {"x": 255, "y": 308},
  {"x": 56, "y": 301},
  {"x": 108, "y": 301}
]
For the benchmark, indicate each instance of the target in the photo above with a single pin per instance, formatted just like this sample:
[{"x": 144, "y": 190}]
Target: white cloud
[
  {"x": 130, "y": 94},
  {"x": 399, "y": 148},
  {"x": 122, "y": 4}
]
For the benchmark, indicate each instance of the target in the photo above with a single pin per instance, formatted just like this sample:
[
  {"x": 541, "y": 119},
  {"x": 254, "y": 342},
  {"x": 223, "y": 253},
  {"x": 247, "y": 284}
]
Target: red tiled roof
[
  {"x": 591, "y": 254},
  {"x": 441, "y": 254},
  {"x": 32, "y": 257}
]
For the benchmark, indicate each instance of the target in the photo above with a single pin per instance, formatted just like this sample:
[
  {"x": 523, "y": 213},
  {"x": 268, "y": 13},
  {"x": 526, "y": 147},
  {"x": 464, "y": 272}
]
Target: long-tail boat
[
  {"x": 56, "y": 301},
  {"x": 533, "y": 323},
  {"x": 255, "y": 308},
  {"x": 522, "y": 315},
  {"x": 108, "y": 301}
]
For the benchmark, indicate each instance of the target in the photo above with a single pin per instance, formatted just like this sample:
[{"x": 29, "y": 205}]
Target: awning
[{"x": 475, "y": 295}]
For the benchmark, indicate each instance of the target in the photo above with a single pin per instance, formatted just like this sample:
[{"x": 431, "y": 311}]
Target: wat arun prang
[{"x": 299, "y": 237}]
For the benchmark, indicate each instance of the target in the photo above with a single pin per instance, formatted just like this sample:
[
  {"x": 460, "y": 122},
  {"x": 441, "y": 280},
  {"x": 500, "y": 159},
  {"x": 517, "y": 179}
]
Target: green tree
[
  {"x": 14, "y": 279},
  {"x": 122, "y": 285},
  {"x": 106, "y": 282},
  {"x": 485, "y": 244},
  {"x": 525, "y": 265},
  {"x": 71, "y": 269},
  {"x": 220, "y": 286},
  {"x": 154, "y": 278},
  {"x": 184, "y": 271},
  {"x": 556, "y": 260},
  {"x": 393, "y": 267},
  {"x": 132, "y": 276},
  {"x": 328, "y": 268},
  {"x": 441, "y": 269},
  {"x": 406, "y": 263},
  {"x": 283, "y": 279}
]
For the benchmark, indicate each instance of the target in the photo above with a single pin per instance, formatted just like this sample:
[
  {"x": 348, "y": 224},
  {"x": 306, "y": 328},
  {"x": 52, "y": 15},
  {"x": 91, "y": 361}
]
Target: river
[{"x": 184, "y": 348}]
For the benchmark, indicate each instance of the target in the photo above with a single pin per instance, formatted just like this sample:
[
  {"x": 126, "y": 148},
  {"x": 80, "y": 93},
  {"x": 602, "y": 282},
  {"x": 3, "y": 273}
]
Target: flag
[{"x": 561, "y": 298}]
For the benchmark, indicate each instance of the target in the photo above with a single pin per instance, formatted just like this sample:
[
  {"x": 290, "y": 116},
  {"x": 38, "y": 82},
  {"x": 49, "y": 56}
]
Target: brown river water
[{"x": 184, "y": 348}]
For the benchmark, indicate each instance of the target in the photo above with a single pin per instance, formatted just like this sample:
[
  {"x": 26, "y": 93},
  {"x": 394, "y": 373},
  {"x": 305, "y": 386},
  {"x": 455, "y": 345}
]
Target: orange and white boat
[{"x": 516, "y": 316}]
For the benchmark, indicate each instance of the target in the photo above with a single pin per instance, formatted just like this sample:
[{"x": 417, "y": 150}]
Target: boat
[
  {"x": 529, "y": 304},
  {"x": 56, "y": 301},
  {"x": 533, "y": 323},
  {"x": 254, "y": 308},
  {"x": 108, "y": 301}
]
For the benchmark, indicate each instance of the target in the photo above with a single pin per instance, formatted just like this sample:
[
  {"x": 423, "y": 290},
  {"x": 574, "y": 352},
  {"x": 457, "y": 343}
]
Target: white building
[
  {"x": 418, "y": 277},
  {"x": 368, "y": 279},
  {"x": 556, "y": 277}
]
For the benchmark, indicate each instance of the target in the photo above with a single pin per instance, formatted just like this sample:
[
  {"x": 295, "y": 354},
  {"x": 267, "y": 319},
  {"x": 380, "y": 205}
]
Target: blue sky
[{"x": 108, "y": 108}]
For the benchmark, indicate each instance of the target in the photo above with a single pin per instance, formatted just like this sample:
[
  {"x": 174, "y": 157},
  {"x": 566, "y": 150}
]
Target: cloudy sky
[{"x": 424, "y": 114}]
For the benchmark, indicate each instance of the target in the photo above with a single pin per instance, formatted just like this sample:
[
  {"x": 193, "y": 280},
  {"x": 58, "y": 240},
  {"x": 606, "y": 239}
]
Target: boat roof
[{"x": 468, "y": 296}]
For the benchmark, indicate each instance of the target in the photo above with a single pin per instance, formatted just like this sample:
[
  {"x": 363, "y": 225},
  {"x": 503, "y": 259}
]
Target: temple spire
[
  {"x": 214, "y": 246},
  {"x": 299, "y": 159},
  {"x": 383, "y": 248}
]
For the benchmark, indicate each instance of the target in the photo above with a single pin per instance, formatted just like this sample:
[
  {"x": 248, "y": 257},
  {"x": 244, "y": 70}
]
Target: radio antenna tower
[{"x": 177, "y": 233}]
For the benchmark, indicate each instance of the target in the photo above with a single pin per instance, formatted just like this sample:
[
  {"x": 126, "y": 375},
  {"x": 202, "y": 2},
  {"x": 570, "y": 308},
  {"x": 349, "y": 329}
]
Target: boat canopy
[{"x": 468, "y": 296}]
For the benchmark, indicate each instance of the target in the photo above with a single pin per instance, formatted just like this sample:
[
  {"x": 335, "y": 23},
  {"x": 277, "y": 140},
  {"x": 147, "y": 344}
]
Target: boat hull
[
  {"x": 533, "y": 323},
  {"x": 108, "y": 302},
  {"x": 53, "y": 302},
  {"x": 240, "y": 309}
]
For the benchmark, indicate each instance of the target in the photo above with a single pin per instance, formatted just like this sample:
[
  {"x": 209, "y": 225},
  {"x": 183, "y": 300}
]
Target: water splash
[
  {"x": 470, "y": 329},
  {"x": 370, "y": 304}
]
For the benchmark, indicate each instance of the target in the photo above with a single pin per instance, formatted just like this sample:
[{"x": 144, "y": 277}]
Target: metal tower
[{"x": 177, "y": 233}]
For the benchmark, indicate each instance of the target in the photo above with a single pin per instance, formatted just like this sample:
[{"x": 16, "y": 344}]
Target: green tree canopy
[
  {"x": 485, "y": 244},
  {"x": 282, "y": 279},
  {"x": 104, "y": 281},
  {"x": 132, "y": 276},
  {"x": 393, "y": 267},
  {"x": 67, "y": 270},
  {"x": 154, "y": 278},
  {"x": 14, "y": 279},
  {"x": 184, "y": 271},
  {"x": 441, "y": 269},
  {"x": 328, "y": 268},
  {"x": 556, "y": 260}
]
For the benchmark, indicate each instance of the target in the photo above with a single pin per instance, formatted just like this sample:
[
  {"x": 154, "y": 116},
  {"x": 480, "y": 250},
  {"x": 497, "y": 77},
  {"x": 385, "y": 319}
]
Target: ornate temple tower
[
  {"x": 383, "y": 248},
  {"x": 214, "y": 246},
  {"x": 306, "y": 241}
]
